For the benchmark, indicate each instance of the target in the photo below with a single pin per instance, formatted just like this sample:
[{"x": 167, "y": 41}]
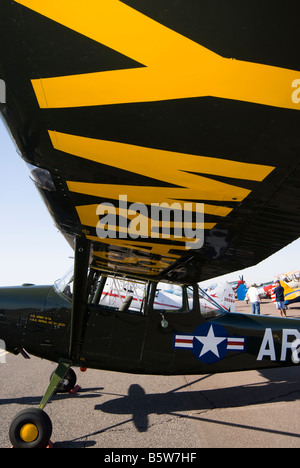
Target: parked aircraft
[
  {"x": 168, "y": 296},
  {"x": 165, "y": 151},
  {"x": 291, "y": 294}
]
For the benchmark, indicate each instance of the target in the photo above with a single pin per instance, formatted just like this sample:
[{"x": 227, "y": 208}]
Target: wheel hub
[{"x": 29, "y": 432}]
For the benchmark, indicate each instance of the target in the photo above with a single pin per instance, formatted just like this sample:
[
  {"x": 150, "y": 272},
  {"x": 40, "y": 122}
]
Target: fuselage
[{"x": 37, "y": 319}]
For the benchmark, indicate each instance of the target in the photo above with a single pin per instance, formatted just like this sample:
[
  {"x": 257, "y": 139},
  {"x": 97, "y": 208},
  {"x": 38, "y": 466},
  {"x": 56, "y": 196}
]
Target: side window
[
  {"x": 172, "y": 298},
  {"x": 123, "y": 295},
  {"x": 209, "y": 307}
]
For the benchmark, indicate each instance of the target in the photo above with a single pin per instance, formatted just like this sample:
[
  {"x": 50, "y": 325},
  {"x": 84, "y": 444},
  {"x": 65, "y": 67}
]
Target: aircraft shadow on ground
[
  {"x": 281, "y": 385},
  {"x": 35, "y": 400}
]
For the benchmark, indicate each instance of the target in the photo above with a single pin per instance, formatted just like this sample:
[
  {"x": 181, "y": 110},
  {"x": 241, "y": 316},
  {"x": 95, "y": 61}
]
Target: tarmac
[{"x": 253, "y": 409}]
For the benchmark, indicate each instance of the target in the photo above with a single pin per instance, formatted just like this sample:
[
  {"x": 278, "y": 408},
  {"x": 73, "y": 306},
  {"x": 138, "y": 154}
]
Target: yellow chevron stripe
[
  {"x": 162, "y": 165},
  {"x": 175, "y": 67}
]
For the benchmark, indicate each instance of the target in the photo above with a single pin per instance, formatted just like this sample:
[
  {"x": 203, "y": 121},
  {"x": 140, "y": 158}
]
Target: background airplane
[
  {"x": 168, "y": 296},
  {"x": 291, "y": 285}
]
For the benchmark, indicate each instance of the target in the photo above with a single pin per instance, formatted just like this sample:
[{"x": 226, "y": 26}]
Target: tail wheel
[{"x": 30, "y": 429}]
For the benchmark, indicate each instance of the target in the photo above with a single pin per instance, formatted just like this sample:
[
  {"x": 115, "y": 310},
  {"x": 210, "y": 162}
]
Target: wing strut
[{"x": 79, "y": 304}]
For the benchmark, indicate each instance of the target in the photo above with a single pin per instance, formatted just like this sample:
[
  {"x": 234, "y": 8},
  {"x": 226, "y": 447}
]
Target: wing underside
[{"x": 156, "y": 135}]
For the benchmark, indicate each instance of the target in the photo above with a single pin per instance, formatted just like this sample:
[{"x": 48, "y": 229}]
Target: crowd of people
[{"x": 253, "y": 297}]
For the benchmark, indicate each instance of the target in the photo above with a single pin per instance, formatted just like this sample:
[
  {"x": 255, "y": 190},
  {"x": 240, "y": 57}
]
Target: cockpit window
[
  {"x": 65, "y": 284},
  {"x": 128, "y": 295}
]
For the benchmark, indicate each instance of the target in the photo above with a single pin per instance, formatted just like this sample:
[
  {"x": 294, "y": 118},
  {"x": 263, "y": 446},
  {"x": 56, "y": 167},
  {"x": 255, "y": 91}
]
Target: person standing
[
  {"x": 279, "y": 298},
  {"x": 254, "y": 298}
]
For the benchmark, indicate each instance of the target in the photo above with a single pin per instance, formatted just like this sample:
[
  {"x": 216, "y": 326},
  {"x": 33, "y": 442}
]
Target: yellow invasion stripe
[
  {"x": 175, "y": 67},
  {"x": 150, "y": 248},
  {"x": 131, "y": 262},
  {"x": 160, "y": 257},
  {"x": 88, "y": 217},
  {"x": 151, "y": 195},
  {"x": 153, "y": 162},
  {"x": 234, "y": 80},
  {"x": 174, "y": 168}
]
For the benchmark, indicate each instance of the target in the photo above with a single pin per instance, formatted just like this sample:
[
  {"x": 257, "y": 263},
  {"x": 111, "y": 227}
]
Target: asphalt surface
[{"x": 245, "y": 409}]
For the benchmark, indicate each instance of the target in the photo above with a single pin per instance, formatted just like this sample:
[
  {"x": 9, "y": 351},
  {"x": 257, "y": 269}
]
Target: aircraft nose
[
  {"x": 8, "y": 321},
  {"x": 16, "y": 303}
]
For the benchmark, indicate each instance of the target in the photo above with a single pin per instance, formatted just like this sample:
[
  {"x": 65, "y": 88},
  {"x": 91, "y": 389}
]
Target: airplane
[
  {"x": 291, "y": 295},
  {"x": 237, "y": 284},
  {"x": 222, "y": 293},
  {"x": 266, "y": 289},
  {"x": 291, "y": 292},
  {"x": 166, "y": 152},
  {"x": 167, "y": 296}
]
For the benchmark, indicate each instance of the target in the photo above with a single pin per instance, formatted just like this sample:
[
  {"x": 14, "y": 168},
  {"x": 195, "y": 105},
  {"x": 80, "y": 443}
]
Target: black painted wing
[{"x": 166, "y": 133}]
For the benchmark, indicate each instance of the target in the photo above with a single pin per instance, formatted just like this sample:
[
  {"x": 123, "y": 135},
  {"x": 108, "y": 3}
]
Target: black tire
[
  {"x": 67, "y": 383},
  {"x": 31, "y": 428}
]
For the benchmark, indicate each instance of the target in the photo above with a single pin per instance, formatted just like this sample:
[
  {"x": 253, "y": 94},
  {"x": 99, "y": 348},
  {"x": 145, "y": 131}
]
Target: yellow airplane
[{"x": 291, "y": 285}]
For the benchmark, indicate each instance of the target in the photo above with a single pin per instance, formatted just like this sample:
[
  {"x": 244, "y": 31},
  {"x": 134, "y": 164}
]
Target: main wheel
[
  {"x": 31, "y": 428},
  {"x": 67, "y": 383}
]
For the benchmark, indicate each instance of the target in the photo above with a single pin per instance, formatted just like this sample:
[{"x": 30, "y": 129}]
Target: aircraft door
[
  {"x": 116, "y": 325},
  {"x": 129, "y": 321},
  {"x": 173, "y": 309}
]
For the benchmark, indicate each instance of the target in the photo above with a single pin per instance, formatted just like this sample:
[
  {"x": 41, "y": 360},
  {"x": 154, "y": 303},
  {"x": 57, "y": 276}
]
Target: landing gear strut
[{"x": 32, "y": 428}]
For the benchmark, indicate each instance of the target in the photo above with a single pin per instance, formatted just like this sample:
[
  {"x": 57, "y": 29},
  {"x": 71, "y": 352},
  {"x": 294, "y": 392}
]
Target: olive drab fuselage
[{"x": 37, "y": 319}]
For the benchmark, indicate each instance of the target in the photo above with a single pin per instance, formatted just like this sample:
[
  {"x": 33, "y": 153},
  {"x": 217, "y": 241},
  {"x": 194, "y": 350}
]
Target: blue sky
[{"x": 32, "y": 250}]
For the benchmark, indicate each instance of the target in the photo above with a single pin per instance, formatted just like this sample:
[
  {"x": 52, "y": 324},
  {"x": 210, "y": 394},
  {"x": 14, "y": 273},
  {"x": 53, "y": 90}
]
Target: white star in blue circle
[{"x": 210, "y": 343}]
